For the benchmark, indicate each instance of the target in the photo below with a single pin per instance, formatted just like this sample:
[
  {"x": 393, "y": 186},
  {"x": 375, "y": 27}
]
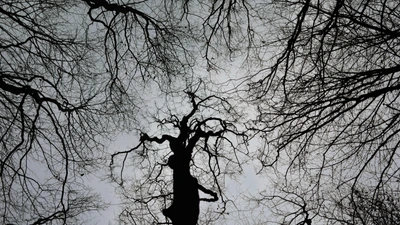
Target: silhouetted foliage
[
  {"x": 329, "y": 109},
  {"x": 73, "y": 73},
  {"x": 316, "y": 82},
  {"x": 68, "y": 71}
]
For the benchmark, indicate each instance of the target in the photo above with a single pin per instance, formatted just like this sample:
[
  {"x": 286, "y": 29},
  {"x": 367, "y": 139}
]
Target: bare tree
[
  {"x": 206, "y": 147},
  {"x": 329, "y": 108},
  {"x": 49, "y": 133},
  {"x": 70, "y": 72}
]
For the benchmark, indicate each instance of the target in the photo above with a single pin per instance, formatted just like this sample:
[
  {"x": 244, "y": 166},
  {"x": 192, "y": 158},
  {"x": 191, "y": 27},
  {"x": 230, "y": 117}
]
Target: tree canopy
[
  {"x": 329, "y": 107},
  {"x": 302, "y": 91}
]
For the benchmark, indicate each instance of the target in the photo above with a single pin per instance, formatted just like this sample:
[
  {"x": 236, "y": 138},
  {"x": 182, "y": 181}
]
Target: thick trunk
[{"x": 185, "y": 205}]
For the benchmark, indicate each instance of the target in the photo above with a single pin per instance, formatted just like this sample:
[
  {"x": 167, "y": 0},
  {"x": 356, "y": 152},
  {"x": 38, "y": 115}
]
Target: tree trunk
[{"x": 185, "y": 205}]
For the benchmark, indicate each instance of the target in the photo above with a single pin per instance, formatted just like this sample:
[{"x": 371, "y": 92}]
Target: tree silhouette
[{"x": 197, "y": 137}]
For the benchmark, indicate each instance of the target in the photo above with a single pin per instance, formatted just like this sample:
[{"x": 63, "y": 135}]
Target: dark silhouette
[
  {"x": 185, "y": 187},
  {"x": 186, "y": 196},
  {"x": 185, "y": 205}
]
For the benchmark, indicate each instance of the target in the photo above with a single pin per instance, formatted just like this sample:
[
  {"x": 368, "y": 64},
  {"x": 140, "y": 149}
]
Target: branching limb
[
  {"x": 163, "y": 138},
  {"x": 209, "y": 192},
  {"x": 112, "y": 7}
]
